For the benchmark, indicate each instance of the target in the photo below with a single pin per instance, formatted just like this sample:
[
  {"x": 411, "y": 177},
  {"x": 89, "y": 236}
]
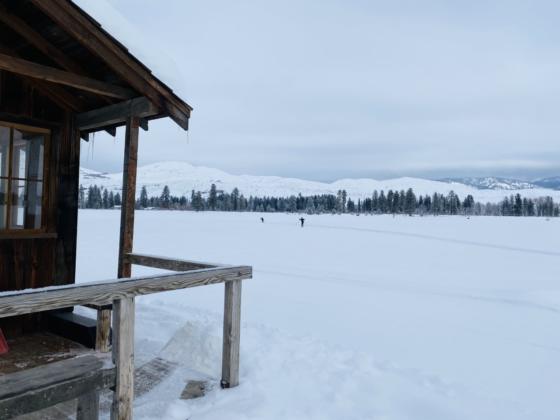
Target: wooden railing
[{"x": 119, "y": 295}]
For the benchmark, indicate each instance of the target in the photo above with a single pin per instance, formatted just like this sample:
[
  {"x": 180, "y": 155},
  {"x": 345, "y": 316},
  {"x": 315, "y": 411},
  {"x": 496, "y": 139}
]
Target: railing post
[
  {"x": 232, "y": 327},
  {"x": 123, "y": 357},
  {"x": 103, "y": 330}
]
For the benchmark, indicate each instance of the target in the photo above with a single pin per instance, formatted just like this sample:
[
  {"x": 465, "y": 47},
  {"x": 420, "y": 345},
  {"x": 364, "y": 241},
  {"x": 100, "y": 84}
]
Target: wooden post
[
  {"x": 88, "y": 406},
  {"x": 232, "y": 327},
  {"x": 103, "y": 330},
  {"x": 128, "y": 195},
  {"x": 123, "y": 357}
]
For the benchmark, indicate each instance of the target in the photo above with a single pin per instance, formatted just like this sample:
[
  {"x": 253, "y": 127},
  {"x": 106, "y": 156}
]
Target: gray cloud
[{"x": 334, "y": 89}]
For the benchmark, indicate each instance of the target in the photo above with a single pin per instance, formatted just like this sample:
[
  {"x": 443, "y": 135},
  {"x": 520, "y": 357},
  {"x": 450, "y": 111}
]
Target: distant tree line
[
  {"x": 380, "y": 202},
  {"x": 96, "y": 197}
]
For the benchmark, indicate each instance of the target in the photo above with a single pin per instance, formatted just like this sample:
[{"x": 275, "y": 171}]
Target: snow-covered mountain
[
  {"x": 552, "y": 182},
  {"x": 493, "y": 183},
  {"x": 182, "y": 177}
]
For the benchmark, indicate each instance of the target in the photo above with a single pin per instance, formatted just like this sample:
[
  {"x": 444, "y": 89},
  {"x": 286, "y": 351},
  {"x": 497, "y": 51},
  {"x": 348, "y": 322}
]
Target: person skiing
[
  {"x": 302, "y": 221},
  {"x": 262, "y": 219}
]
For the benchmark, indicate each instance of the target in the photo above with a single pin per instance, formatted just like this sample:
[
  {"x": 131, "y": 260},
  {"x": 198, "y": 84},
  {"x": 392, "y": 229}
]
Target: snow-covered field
[{"x": 369, "y": 317}]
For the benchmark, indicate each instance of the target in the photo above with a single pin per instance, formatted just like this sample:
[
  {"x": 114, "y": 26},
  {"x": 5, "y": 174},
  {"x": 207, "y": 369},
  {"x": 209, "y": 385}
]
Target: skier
[
  {"x": 262, "y": 219},
  {"x": 302, "y": 221}
]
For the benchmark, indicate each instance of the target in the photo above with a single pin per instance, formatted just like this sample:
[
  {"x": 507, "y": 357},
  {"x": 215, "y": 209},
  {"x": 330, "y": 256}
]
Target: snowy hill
[
  {"x": 182, "y": 177},
  {"x": 493, "y": 183},
  {"x": 552, "y": 182}
]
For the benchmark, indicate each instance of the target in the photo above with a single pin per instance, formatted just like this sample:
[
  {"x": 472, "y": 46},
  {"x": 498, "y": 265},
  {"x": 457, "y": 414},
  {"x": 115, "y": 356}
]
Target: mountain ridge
[{"x": 182, "y": 178}]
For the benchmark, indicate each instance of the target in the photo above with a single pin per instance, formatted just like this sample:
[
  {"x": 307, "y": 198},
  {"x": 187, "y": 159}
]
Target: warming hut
[{"x": 63, "y": 77}]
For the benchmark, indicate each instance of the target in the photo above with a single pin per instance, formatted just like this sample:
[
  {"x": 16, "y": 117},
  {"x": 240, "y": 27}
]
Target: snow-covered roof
[{"x": 142, "y": 47}]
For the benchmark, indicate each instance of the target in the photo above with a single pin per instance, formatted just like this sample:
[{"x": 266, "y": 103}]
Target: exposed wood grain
[
  {"x": 104, "y": 292},
  {"x": 128, "y": 195},
  {"x": 51, "y": 74},
  {"x": 111, "y": 115},
  {"x": 103, "y": 330},
  {"x": 33, "y": 389},
  {"x": 232, "y": 334},
  {"x": 165, "y": 263},
  {"x": 123, "y": 357}
]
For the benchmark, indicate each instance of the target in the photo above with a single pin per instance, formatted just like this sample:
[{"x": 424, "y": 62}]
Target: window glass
[
  {"x": 28, "y": 150},
  {"x": 3, "y": 202},
  {"x": 26, "y": 204},
  {"x": 4, "y": 150},
  {"x": 21, "y": 177}
]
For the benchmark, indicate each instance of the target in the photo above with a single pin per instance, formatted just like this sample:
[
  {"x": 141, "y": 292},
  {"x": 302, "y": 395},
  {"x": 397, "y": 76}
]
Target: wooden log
[
  {"x": 123, "y": 357},
  {"x": 88, "y": 406},
  {"x": 103, "y": 330},
  {"x": 115, "y": 114},
  {"x": 165, "y": 263},
  {"x": 128, "y": 195},
  {"x": 103, "y": 292},
  {"x": 232, "y": 334},
  {"x": 51, "y": 74},
  {"x": 44, "y": 386}
]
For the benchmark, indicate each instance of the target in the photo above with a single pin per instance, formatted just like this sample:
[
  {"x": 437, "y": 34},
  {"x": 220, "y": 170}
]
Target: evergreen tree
[
  {"x": 165, "y": 198},
  {"x": 410, "y": 202},
  {"x": 105, "y": 199},
  {"x": 144, "y": 197},
  {"x": 212, "y": 197}
]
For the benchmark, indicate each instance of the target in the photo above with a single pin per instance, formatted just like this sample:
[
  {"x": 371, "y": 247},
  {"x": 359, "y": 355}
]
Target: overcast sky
[{"x": 331, "y": 89}]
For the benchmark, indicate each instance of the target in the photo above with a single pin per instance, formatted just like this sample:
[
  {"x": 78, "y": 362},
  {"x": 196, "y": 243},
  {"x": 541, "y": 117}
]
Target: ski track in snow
[
  {"x": 351, "y": 317},
  {"x": 371, "y": 283},
  {"x": 435, "y": 238}
]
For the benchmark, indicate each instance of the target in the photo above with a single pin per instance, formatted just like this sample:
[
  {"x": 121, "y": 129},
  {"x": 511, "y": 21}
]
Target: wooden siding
[{"x": 48, "y": 258}]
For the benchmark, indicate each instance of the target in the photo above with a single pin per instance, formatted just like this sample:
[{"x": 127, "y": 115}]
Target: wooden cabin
[{"x": 63, "y": 77}]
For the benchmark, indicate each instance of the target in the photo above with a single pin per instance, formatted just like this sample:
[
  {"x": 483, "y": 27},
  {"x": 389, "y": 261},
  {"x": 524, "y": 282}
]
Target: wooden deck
[
  {"x": 39, "y": 358},
  {"x": 38, "y": 349}
]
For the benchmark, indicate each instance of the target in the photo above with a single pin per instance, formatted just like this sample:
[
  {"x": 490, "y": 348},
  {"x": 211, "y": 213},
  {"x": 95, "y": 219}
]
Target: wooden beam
[
  {"x": 70, "y": 18},
  {"x": 232, "y": 331},
  {"x": 128, "y": 195},
  {"x": 112, "y": 115},
  {"x": 104, "y": 292},
  {"x": 50, "y": 74},
  {"x": 164, "y": 263},
  {"x": 145, "y": 124},
  {"x": 54, "y": 92},
  {"x": 123, "y": 358},
  {"x": 38, "y": 41}
]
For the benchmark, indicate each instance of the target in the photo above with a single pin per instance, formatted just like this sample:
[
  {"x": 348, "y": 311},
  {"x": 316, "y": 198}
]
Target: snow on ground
[{"x": 369, "y": 317}]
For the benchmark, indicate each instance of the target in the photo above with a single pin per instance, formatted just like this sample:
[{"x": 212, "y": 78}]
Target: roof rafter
[
  {"x": 50, "y": 74},
  {"x": 83, "y": 29},
  {"x": 19, "y": 26}
]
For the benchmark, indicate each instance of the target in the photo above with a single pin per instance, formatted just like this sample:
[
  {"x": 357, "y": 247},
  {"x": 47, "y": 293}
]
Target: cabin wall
[{"x": 44, "y": 259}]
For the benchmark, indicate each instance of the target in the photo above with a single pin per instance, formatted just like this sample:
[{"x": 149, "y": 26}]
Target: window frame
[{"x": 47, "y": 140}]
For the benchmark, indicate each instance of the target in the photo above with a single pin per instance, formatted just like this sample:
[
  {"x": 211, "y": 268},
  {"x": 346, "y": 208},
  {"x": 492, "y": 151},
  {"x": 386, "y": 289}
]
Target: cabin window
[{"x": 22, "y": 155}]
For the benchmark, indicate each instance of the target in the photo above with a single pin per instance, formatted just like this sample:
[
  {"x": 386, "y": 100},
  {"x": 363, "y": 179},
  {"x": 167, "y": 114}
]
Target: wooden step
[{"x": 44, "y": 386}]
